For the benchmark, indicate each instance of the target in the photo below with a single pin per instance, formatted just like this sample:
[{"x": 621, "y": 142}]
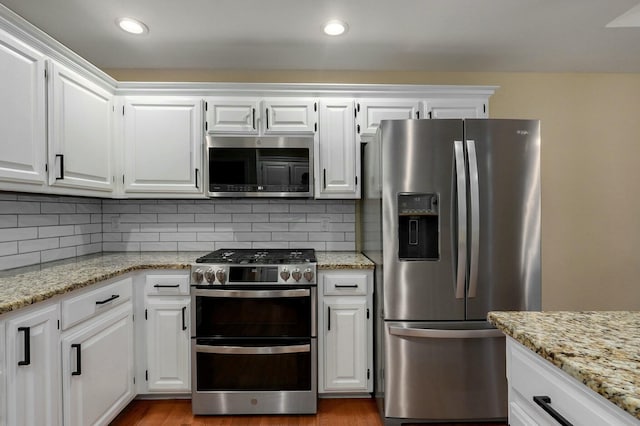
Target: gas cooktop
[{"x": 259, "y": 256}]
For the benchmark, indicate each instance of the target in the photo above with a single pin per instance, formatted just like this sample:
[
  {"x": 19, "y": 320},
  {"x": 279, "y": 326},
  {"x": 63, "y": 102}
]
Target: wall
[
  {"x": 40, "y": 228},
  {"x": 590, "y": 173}
]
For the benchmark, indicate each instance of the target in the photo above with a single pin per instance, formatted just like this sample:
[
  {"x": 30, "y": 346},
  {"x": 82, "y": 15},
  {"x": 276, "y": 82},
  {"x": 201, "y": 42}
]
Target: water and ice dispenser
[{"x": 418, "y": 227}]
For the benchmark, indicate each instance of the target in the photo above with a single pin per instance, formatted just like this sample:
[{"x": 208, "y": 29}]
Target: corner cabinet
[
  {"x": 369, "y": 112},
  {"x": 80, "y": 132},
  {"x": 162, "y": 147},
  {"x": 345, "y": 332},
  {"x": 338, "y": 158},
  {"x": 33, "y": 367},
  {"x": 22, "y": 114}
]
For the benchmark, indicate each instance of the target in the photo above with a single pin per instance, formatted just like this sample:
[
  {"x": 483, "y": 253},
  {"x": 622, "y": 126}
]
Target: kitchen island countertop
[
  {"x": 21, "y": 287},
  {"x": 600, "y": 349}
]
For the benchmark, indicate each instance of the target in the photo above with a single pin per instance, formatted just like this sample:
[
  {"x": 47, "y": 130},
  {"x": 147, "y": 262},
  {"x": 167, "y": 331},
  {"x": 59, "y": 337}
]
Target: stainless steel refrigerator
[{"x": 451, "y": 217}]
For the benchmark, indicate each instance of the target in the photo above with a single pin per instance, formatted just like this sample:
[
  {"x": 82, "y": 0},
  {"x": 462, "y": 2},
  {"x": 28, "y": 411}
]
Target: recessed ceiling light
[
  {"x": 132, "y": 26},
  {"x": 335, "y": 28}
]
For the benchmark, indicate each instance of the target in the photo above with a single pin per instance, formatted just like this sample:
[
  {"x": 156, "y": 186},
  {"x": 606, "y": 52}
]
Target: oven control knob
[
  {"x": 296, "y": 274},
  {"x": 285, "y": 274},
  {"x": 308, "y": 274},
  {"x": 196, "y": 276},
  {"x": 221, "y": 276},
  {"x": 210, "y": 275}
]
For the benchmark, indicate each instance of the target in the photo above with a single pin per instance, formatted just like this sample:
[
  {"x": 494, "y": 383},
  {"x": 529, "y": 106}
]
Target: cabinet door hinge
[
  {"x": 368, "y": 374},
  {"x": 146, "y": 375},
  {"x": 367, "y": 313},
  {"x": 145, "y": 314}
]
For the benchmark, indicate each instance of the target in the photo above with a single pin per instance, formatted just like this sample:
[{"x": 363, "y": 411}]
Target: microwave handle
[{"x": 254, "y": 350}]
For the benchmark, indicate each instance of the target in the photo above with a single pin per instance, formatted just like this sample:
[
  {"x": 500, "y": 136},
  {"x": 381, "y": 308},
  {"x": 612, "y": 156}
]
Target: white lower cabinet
[
  {"x": 97, "y": 368},
  {"x": 33, "y": 367},
  {"x": 345, "y": 333},
  {"x": 530, "y": 376},
  {"x": 168, "y": 345}
]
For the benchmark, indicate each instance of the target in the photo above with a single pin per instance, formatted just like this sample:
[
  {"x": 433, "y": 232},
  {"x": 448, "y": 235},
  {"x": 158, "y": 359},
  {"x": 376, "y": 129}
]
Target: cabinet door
[
  {"x": 80, "y": 132},
  {"x": 456, "y": 108},
  {"x": 233, "y": 116},
  {"x": 339, "y": 156},
  {"x": 33, "y": 368},
  {"x": 97, "y": 368},
  {"x": 168, "y": 345},
  {"x": 345, "y": 344},
  {"x": 290, "y": 115},
  {"x": 163, "y": 143},
  {"x": 3, "y": 378},
  {"x": 369, "y": 113},
  {"x": 22, "y": 113}
]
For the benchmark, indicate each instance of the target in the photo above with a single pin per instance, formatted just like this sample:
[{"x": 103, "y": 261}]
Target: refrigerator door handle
[
  {"x": 430, "y": 333},
  {"x": 461, "y": 182},
  {"x": 474, "y": 192}
]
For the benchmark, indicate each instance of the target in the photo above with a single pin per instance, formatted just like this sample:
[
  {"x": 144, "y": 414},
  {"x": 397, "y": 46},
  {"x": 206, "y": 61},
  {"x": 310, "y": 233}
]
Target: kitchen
[{"x": 576, "y": 171}]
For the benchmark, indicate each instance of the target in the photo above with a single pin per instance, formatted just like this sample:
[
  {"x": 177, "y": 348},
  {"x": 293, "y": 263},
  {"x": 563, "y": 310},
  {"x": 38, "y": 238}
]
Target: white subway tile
[
  {"x": 123, "y": 227},
  {"x": 316, "y": 245},
  {"x": 55, "y": 231},
  {"x": 308, "y": 208},
  {"x": 232, "y": 245},
  {"x": 158, "y": 227},
  {"x": 195, "y": 246},
  {"x": 120, "y": 246},
  {"x": 215, "y": 236},
  {"x": 326, "y": 236},
  {"x": 196, "y": 208},
  {"x": 250, "y": 217},
  {"x": 252, "y": 236},
  {"x": 111, "y": 236},
  {"x": 96, "y": 238},
  {"x": 120, "y": 208},
  {"x": 209, "y": 217},
  {"x": 75, "y": 240},
  {"x": 183, "y": 217},
  {"x": 165, "y": 246},
  {"x": 321, "y": 217},
  {"x": 88, "y": 208},
  {"x": 287, "y": 217},
  {"x": 341, "y": 208},
  {"x": 8, "y": 196},
  {"x": 232, "y": 227},
  {"x": 233, "y": 208},
  {"x": 349, "y": 218},
  {"x": 341, "y": 246},
  {"x": 270, "y": 208},
  {"x": 57, "y": 254},
  {"x": 271, "y": 227},
  {"x": 88, "y": 228},
  {"x": 18, "y": 260},
  {"x": 75, "y": 219},
  {"x": 350, "y": 236},
  {"x": 26, "y": 246},
  {"x": 17, "y": 234},
  {"x": 8, "y": 248},
  {"x": 159, "y": 208},
  {"x": 8, "y": 220},
  {"x": 141, "y": 236},
  {"x": 89, "y": 249},
  {"x": 57, "y": 208},
  {"x": 196, "y": 227},
  {"x": 290, "y": 236},
  {"x": 270, "y": 245},
  {"x": 177, "y": 236},
  {"x": 19, "y": 207},
  {"x": 25, "y": 220},
  {"x": 305, "y": 226},
  {"x": 139, "y": 218},
  {"x": 96, "y": 217}
]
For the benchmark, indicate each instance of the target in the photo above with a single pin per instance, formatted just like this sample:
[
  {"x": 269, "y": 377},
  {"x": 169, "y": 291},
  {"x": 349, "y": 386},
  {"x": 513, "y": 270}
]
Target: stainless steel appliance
[
  {"x": 451, "y": 217},
  {"x": 254, "y": 343},
  {"x": 268, "y": 166}
]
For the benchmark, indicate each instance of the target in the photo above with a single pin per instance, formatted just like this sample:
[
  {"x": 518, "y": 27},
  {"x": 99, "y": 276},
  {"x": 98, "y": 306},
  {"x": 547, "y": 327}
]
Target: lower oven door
[{"x": 258, "y": 377}]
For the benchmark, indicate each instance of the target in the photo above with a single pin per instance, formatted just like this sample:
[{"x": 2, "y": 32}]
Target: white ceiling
[{"x": 410, "y": 35}]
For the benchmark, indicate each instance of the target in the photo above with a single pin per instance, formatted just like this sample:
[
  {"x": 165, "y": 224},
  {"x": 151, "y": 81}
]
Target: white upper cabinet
[
  {"x": 163, "y": 139},
  {"x": 22, "y": 113},
  {"x": 257, "y": 116},
  {"x": 338, "y": 161},
  {"x": 80, "y": 132},
  {"x": 369, "y": 112},
  {"x": 456, "y": 108}
]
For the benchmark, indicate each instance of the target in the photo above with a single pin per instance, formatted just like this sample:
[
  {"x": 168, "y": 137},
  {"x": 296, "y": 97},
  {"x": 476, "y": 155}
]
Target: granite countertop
[
  {"x": 600, "y": 349},
  {"x": 24, "y": 286}
]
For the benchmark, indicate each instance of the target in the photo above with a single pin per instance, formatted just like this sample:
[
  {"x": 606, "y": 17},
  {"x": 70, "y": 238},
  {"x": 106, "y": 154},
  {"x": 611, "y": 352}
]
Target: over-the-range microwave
[{"x": 268, "y": 166}]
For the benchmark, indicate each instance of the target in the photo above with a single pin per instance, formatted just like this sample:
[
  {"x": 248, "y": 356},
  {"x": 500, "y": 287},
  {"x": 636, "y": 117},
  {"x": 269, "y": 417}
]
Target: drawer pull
[
  {"x": 167, "y": 285},
  {"x": 184, "y": 324},
  {"x": 78, "y": 359},
  {"x": 346, "y": 286},
  {"x": 102, "y": 302},
  {"x": 545, "y": 403},
  {"x": 27, "y": 345}
]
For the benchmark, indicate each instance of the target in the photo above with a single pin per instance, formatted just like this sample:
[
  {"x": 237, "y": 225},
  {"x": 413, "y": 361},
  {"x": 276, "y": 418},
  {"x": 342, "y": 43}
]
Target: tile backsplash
[{"x": 40, "y": 228}]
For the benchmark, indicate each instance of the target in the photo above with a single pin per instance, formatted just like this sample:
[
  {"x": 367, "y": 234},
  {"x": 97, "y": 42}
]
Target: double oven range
[{"x": 253, "y": 322}]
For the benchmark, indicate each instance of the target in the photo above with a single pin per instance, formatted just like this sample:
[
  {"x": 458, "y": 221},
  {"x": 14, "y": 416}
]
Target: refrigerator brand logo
[{"x": 522, "y": 132}]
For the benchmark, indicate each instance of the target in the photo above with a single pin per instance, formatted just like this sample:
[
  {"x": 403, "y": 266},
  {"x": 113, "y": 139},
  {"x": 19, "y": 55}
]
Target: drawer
[
  {"x": 344, "y": 284},
  {"x": 530, "y": 375},
  {"x": 166, "y": 284},
  {"x": 87, "y": 305}
]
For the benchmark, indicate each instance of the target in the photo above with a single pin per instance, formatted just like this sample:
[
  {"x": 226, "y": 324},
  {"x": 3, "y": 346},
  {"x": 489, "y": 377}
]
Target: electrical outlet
[{"x": 115, "y": 224}]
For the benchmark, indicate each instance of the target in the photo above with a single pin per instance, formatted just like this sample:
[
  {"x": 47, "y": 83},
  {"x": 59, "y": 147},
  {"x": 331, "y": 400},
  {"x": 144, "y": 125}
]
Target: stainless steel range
[{"x": 254, "y": 343}]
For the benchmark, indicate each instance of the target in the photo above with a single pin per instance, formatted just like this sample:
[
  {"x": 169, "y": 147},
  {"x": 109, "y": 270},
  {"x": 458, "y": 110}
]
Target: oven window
[
  {"x": 260, "y": 317},
  {"x": 258, "y": 372}
]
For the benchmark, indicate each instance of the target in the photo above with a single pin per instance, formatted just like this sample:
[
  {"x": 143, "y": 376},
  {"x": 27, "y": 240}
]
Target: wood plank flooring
[{"x": 331, "y": 412}]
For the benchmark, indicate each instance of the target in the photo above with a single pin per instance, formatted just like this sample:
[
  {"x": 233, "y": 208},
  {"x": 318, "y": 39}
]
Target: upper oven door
[
  {"x": 260, "y": 166},
  {"x": 265, "y": 313}
]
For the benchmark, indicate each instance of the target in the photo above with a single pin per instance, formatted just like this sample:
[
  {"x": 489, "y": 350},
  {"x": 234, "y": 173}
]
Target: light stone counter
[
  {"x": 24, "y": 286},
  {"x": 600, "y": 349}
]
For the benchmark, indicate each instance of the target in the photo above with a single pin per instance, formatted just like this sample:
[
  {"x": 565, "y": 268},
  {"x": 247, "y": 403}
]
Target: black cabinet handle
[
  {"x": 253, "y": 118},
  {"x": 61, "y": 165},
  {"x": 324, "y": 178},
  {"x": 184, "y": 311},
  {"x": 328, "y": 318},
  {"x": 267, "y": 117},
  {"x": 545, "y": 403},
  {"x": 78, "y": 359},
  {"x": 197, "y": 187},
  {"x": 102, "y": 302},
  {"x": 346, "y": 286},
  {"x": 166, "y": 285},
  {"x": 27, "y": 345}
]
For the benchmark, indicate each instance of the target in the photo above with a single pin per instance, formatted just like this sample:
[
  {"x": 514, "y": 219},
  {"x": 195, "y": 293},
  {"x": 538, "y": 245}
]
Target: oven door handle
[
  {"x": 253, "y": 350},
  {"x": 303, "y": 292}
]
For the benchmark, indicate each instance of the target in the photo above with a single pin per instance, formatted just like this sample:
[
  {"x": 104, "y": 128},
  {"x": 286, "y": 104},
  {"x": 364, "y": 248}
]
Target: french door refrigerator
[{"x": 451, "y": 217}]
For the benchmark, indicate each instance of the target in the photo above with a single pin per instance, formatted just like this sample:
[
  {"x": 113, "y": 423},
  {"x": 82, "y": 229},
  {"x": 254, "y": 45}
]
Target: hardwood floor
[{"x": 331, "y": 412}]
